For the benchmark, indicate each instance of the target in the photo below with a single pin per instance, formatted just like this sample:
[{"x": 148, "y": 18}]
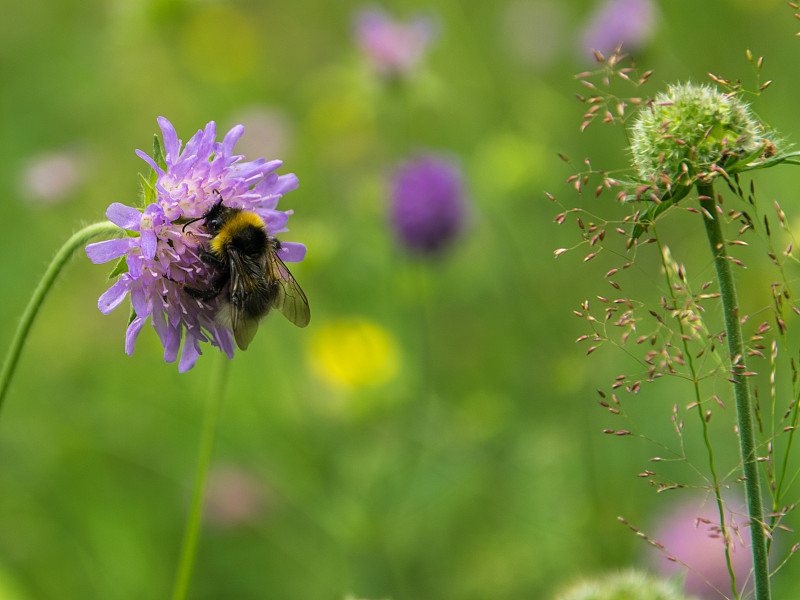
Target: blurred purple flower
[
  {"x": 162, "y": 257},
  {"x": 428, "y": 204},
  {"x": 393, "y": 49},
  {"x": 627, "y": 22},
  {"x": 691, "y": 533},
  {"x": 269, "y": 130},
  {"x": 235, "y": 497},
  {"x": 50, "y": 177}
]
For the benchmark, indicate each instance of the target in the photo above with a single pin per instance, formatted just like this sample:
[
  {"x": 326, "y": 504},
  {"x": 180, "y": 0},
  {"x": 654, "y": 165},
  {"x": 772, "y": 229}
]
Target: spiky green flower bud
[
  {"x": 629, "y": 585},
  {"x": 688, "y": 130}
]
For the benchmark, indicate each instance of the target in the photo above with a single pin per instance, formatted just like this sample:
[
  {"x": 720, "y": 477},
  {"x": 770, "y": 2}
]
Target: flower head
[
  {"x": 428, "y": 204},
  {"x": 393, "y": 49},
  {"x": 688, "y": 130},
  {"x": 51, "y": 177},
  {"x": 691, "y": 534},
  {"x": 629, "y": 23},
  {"x": 354, "y": 352},
  {"x": 235, "y": 497},
  {"x": 161, "y": 254}
]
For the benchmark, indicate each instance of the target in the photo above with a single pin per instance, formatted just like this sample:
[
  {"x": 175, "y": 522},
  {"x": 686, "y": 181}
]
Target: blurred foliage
[{"x": 477, "y": 469}]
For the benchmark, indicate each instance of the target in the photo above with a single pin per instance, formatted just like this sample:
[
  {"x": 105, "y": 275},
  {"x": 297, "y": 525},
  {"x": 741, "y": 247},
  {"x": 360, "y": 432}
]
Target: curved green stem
[
  {"x": 206, "y": 450},
  {"x": 701, "y": 416},
  {"x": 741, "y": 389},
  {"x": 76, "y": 241}
]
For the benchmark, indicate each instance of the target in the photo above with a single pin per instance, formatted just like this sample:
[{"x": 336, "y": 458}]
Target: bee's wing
[
  {"x": 246, "y": 281},
  {"x": 289, "y": 298}
]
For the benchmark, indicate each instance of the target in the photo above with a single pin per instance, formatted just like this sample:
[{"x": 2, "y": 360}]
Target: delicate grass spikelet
[
  {"x": 627, "y": 585},
  {"x": 688, "y": 130}
]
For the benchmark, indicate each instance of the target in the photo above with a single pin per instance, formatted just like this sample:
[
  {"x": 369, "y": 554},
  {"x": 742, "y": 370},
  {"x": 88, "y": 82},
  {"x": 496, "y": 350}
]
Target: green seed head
[
  {"x": 628, "y": 585},
  {"x": 689, "y": 129}
]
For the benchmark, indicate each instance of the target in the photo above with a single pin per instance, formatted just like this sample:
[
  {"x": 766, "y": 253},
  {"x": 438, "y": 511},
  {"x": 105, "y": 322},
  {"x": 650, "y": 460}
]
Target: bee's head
[{"x": 215, "y": 217}]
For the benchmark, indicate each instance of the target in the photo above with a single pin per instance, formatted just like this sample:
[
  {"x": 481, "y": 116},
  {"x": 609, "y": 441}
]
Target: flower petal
[
  {"x": 225, "y": 340},
  {"x": 102, "y": 252},
  {"x": 292, "y": 251},
  {"x": 132, "y": 333},
  {"x": 139, "y": 301},
  {"x": 286, "y": 183},
  {"x": 143, "y": 155},
  {"x": 114, "y": 295},
  {"x": 189, "y": 354},
  {"x": 230, "y": 140},
  {"x": 149, "y": 244},
  {"x": 124, "y": 216},
  {"x": 274, "y": 220},
  {"x": 172, "y": 146}
]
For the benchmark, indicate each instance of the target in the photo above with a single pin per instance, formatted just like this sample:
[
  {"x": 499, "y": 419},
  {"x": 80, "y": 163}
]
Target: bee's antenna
[
  {"x": 189, "y": 222},
  {"x": 219, "y": 202}
]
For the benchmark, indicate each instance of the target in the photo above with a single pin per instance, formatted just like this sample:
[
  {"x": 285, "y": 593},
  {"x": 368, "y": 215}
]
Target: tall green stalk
[
  {"x": 78, "y": 240},
  {"x": 744, "y": 408},
  {"x": 191, "y": 535}
]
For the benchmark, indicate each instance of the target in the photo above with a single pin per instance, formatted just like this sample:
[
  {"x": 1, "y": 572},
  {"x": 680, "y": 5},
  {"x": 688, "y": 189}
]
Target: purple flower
[
  {"x": 51, "y": 177},
  {"x": 393, "y": 48},
  {"x": 236, "y": 497},
  {"x": 428, "y": 206},
  {"x": 160, "y": 256},
  {"x": 691, "y": 533},
  {"x": 615, "y": 22}
]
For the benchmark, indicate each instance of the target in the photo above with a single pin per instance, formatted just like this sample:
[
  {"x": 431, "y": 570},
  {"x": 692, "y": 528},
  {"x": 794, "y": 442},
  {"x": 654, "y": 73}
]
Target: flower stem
[
  {"x": 741, "y": 389},
  {"x": 78, "y": 240},
  {"x": 701, "y": 416},
  {"x": 205, "y": 452}
]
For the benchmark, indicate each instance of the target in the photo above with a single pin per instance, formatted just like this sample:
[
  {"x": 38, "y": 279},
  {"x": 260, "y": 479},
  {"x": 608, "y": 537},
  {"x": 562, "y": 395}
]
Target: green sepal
[
  {"x": 131, "y": 315},
  {"x": 791, "y": 158},
  {"x": 149, "y": 194},
  {"x": 159, "y": 157},
  {"x": 670, "y": 198},
  {"x": 120, "y": 268}
]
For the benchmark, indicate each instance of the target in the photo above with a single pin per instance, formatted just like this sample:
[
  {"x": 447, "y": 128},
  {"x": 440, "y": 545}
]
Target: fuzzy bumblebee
[{"x": 247, "y": 268}]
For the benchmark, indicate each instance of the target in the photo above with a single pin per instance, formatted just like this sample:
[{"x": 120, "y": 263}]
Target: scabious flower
[
  {"x": 688, "y": 130},
  {"x": 629, "y": 23},
  {"x": 692, "y": 535},
  {"x": 51, "y": 177},
  {"x": 160, "y": 256},
  {"x": 428, "y": 204},
  {"x": 235, "y": 497},
  {"x": 394, "y": 49}
]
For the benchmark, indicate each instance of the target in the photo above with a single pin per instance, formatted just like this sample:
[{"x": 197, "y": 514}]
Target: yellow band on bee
[{"x": 233, "y": 226}]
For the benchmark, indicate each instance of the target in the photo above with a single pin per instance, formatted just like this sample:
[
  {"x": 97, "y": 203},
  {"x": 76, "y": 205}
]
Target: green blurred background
[{"x": 473, "y": 465}]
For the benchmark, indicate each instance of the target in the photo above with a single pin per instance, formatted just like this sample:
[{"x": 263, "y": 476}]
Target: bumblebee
[{"x": 247, "y": 266}]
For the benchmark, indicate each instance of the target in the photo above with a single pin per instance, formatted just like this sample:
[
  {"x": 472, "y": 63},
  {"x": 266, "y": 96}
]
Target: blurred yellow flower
[{"x": 354, "y": 352}]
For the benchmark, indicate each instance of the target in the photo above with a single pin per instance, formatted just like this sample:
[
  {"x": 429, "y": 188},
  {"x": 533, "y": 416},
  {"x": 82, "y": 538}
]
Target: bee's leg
[
  {"x": 204, "y": 295},
  {"x": 212, "y": 292},
  {"x": 211, "y": 259}
]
